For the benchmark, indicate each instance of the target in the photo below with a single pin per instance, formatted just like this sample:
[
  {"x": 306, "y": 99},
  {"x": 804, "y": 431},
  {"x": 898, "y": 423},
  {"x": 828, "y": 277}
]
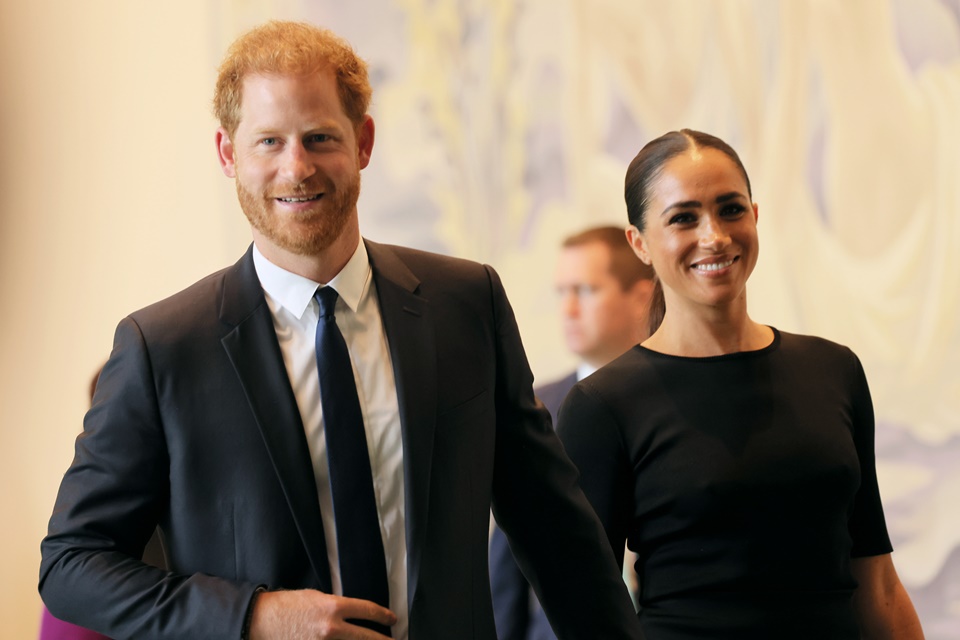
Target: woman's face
[{"x": 701, "y": 231}]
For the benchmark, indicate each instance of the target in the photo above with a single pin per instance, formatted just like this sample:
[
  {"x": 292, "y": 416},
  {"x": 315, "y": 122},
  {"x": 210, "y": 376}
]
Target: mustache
[{"x": 307, "y": 187}]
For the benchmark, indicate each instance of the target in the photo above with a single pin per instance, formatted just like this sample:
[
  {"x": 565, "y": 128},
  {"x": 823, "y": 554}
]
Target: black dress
[{"x": 745, "y": 482}]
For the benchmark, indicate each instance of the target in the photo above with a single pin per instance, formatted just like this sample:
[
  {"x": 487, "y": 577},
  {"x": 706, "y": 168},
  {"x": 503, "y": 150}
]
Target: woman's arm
[
  {"x": 883, "y": 608},
  {"x": 591, "y": 438}
]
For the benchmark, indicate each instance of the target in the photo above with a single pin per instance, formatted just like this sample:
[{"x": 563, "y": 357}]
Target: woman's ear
[{"x": 638, "y": 244}]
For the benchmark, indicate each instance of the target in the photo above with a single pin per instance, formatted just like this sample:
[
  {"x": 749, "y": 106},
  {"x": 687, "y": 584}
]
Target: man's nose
[
  {"x": 569, "y": 303},
  {"x": 297, "y": 166}
]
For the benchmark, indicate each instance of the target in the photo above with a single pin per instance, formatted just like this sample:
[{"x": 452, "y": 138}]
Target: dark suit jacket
[
  {"x": 516, "y": 610},
  {"x": 194, "y": 427}
]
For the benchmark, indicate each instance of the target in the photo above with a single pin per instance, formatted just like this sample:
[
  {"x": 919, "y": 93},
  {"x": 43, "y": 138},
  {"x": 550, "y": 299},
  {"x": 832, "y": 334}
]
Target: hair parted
[
  {"x": 644, "y": 170},
  {"x": 290, "y": 48},
  {"x": 625, "y": 266}
]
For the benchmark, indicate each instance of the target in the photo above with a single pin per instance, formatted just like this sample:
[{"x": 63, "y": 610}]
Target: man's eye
[
  {"x": 585, "y": 290},
  {"x": 318, "y": 137},
  {"x": 269, "y": 141}
]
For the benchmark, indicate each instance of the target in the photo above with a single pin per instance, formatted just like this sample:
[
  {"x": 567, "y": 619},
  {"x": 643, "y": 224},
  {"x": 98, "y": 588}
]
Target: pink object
[{"x": 55, "y": 629}]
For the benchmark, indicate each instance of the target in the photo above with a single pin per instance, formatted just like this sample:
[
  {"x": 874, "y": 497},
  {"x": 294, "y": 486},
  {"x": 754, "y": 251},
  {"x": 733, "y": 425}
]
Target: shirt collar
[{"x": 294, "y": 292}]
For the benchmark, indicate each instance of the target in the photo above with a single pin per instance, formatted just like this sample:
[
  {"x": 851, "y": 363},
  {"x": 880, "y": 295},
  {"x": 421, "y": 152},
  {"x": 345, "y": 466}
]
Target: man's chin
[
  {"x": 303, "y": 240},
  {"x": 301, "y": 244}
]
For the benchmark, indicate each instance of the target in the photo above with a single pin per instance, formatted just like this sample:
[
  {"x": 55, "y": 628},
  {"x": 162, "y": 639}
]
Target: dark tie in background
[{"x": 363, "y": 569}]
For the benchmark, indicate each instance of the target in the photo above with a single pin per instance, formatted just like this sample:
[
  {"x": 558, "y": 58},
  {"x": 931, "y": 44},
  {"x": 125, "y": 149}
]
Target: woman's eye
[
  {"x": 732, "y": 210},
  {"x": 683, "y": 218}
]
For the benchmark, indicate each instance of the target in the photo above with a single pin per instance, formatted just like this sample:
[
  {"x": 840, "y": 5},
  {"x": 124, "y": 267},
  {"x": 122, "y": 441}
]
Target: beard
[{"x": 309, "y": 232}]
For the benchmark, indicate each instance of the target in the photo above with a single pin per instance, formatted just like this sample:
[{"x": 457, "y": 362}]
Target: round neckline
[{"x": 774, "y": 344}]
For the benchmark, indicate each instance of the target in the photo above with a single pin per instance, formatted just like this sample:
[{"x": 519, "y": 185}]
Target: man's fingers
[
  {"x": 366, "y": 610},
  {"x": 309, "y": 613}
]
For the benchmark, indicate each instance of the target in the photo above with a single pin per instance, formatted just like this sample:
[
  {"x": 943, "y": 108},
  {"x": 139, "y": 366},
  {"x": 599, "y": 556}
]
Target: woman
[{"x": 736, "y": 460}]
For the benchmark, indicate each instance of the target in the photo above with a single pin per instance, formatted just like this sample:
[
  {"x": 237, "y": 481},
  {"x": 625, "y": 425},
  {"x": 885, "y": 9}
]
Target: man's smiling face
[{"x": 297, "y": 157}]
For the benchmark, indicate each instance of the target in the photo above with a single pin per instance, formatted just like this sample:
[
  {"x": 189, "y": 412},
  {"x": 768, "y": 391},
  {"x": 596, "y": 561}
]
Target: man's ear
[
  {"x": 638, "y": 244},
  {"x": 365, "y": 135},
  {"x": 756, "y": 213},
  {"x": 225, "y": 153}
]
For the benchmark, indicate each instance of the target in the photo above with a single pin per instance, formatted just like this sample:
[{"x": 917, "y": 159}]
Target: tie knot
[{"x": 326, "y": 297}]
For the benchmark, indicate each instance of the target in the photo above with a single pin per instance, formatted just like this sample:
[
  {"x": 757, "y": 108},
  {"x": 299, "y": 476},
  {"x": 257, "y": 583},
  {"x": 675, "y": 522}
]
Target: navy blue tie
[{"x": 363, "y": 569}]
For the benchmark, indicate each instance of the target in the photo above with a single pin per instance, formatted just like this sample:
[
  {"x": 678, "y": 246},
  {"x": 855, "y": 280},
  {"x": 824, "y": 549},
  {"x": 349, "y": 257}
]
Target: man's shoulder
[
  {"x": 204, "y": 298},
  {"x": 424, "y": 263},
  {"x": 433, "y": 275}
]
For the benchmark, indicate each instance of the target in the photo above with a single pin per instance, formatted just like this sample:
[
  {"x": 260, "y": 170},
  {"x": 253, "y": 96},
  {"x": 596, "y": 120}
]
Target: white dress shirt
[{"x": 295, "y": 314}]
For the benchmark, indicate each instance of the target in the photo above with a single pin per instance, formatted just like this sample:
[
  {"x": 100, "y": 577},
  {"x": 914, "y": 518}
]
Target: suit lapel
[
  {"x": 410, "y": 333},
  {"x": 255, "y": 354}
]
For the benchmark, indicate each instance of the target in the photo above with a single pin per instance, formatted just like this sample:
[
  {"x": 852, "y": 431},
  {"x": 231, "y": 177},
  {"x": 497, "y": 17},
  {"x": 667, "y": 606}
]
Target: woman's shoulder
[
  {"x": 810, "y": 345},
  {"x": 621, "y": 367},
  {"x": 606, "y": 401},
  {"x": 625, "y": 376},
  {"x": 821, "y": 358}
]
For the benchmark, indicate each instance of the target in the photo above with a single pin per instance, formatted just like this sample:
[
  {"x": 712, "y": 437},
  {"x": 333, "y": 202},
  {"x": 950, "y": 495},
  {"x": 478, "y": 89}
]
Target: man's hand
[{"x": 299, "y": 615}]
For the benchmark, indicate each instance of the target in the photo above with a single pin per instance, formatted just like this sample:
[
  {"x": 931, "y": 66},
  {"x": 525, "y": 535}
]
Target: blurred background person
[
  {"x": 735, "y": 459},
  {"x": 603, "y": 289}
]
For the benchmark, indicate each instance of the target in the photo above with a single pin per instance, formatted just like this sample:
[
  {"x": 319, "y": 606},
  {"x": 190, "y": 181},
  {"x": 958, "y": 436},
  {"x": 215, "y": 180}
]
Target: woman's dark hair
[{"x": 644, "y": 170}]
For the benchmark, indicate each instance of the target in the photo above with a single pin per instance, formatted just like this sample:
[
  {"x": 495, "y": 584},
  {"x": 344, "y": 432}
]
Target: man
[
  {"x": 224, "y": 415},
  {"x": 604, "y": 291}
]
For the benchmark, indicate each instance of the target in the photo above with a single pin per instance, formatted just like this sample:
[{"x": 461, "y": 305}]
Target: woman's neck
[{"x": 708, "y": 332}]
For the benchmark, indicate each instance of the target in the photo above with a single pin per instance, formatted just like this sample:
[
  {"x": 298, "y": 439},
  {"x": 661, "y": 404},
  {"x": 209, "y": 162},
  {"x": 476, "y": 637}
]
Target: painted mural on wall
[{"x": 503, "y": 125}]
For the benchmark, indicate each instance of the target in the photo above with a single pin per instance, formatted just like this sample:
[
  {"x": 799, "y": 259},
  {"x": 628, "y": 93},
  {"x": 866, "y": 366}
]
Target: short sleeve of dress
[
  {"x": 868, "y": 528},
  {"x": 590, "y": 435}
]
